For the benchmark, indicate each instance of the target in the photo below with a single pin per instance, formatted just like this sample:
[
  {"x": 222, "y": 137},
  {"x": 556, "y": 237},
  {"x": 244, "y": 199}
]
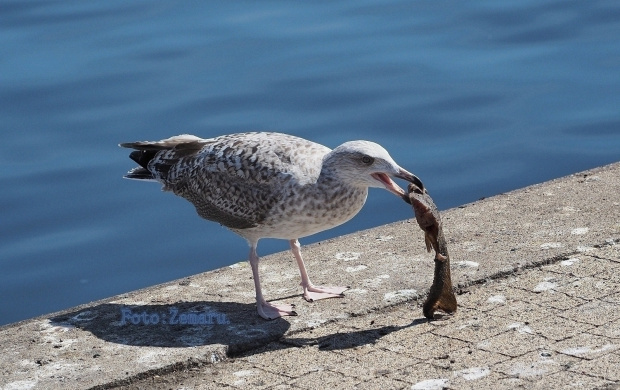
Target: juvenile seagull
[{"x": 270, "y": 185}]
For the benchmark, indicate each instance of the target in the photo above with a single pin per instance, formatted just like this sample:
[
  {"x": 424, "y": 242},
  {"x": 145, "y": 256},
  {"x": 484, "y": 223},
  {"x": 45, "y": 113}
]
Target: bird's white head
[{"x": 367, "y": 164}]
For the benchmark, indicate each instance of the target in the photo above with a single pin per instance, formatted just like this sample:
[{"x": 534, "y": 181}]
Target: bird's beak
[
  {"x": 411, "y": 178},
  {"x": 394, "y": 188}
]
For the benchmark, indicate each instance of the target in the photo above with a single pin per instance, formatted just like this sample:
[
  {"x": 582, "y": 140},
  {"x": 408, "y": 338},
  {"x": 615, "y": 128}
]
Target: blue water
[{"x": 476, "y": 98}]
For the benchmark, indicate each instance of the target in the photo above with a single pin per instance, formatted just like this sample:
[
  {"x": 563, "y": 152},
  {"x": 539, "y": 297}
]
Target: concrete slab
[{"x": 536, "y": 271}]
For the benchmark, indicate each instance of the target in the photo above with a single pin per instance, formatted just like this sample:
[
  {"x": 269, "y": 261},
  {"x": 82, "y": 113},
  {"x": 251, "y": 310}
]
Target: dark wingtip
[
  {"x": 135, "y": 156},
  {"x": 142, "y": 157},
  {"x": 139, "y": 173}
]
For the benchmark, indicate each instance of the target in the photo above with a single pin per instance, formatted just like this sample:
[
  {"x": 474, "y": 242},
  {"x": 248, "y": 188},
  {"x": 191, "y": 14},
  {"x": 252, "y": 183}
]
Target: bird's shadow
[
  {"x": 181, "y": 324},
  {"x": 187, "y": 324}
]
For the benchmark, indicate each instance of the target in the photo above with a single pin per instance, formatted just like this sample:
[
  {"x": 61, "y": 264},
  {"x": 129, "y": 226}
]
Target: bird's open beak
[
  {"x": 411, "y": 178},
  {"x": 394, "y": 188}
]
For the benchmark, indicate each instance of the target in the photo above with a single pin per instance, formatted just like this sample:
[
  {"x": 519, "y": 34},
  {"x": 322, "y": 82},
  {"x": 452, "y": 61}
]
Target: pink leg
[
  {"x": 268, "y": 311},
  {"x": 312, "y": 292}
]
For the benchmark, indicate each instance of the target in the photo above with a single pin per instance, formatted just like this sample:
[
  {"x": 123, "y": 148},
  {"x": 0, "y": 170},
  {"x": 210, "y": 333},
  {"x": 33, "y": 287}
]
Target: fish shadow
[
  {"x": 181, "y": 324},
  {"x": 348, "y": 340}
]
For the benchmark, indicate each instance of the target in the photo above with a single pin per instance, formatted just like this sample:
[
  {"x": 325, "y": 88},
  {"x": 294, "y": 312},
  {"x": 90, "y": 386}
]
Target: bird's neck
[
  {"x": 335, "y": 188},
  {"x": 332, "y": 174},
  {"x": 330, "y": 178}
]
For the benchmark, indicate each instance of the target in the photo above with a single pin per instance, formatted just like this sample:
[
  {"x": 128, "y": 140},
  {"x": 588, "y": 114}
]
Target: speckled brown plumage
[{"x": 272, "y": 185}]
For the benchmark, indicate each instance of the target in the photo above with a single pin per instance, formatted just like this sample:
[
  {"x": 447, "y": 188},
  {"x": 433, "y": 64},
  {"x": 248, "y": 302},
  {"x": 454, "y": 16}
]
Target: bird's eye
[{"x": 367, "y": 160}]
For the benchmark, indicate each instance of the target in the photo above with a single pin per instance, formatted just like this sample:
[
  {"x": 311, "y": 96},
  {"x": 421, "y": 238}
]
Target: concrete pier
[{"x": 537, "y": 274}]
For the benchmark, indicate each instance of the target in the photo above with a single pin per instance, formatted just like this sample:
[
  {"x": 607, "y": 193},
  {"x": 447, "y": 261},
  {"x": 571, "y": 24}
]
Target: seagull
[{"x": 270, "y": 185}]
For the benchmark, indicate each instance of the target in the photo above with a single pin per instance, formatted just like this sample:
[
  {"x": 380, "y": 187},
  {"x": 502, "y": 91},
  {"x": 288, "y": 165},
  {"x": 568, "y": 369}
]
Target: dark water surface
[{"x": 476, "y": 98}]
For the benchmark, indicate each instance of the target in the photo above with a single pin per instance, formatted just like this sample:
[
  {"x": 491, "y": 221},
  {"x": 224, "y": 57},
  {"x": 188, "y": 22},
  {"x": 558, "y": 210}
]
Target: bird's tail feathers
[
  {"x": 164, "y": 144},
  {"x": 179, "y": 146}
]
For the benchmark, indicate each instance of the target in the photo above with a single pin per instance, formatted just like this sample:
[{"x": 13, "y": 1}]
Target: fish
[{"x": 441, "y": 295}]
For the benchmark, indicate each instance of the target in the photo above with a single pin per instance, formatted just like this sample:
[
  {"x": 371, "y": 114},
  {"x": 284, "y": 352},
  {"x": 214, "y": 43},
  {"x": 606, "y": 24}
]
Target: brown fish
[{"x": 441, "y": 296}]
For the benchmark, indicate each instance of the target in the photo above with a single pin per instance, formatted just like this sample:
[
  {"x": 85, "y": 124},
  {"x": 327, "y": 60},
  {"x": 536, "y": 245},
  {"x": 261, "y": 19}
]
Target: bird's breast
[{"x": 305, "y": 213}]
